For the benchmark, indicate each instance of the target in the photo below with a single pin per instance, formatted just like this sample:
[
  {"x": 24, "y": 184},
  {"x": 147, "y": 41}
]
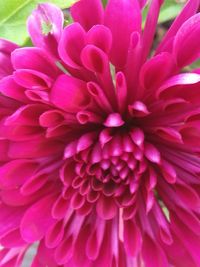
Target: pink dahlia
[{"x": 100, "y": 139}]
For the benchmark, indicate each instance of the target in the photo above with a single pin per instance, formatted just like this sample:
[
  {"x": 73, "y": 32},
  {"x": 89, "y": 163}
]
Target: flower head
[{"x": 100, "y": 139}]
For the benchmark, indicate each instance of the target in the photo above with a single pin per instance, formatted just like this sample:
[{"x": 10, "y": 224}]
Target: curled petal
[
  {"x": 36, "y": 219},
  {"x": 186, "y": 37},
  {"x": 69, "y": 49},
  {"x": 33, "y": 58},
  {"x": 6, "y": 48},
  {"x": 100, "y": 36},
  {"x": 126, "y": 15},
  {"x": 45, "y": 27},
  {"x": 81, "y": 12},
  {"x": 106, "y": 208},
  {"x": 69, "y": 94},
  {"x": 31, "y": 79},
  {"x": 178, "y": 80},
  {"x": 189, "y": 10}
]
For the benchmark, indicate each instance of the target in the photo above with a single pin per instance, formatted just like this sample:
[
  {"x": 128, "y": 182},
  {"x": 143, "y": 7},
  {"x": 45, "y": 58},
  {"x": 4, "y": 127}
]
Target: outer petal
[
  {"x": 6, "y": 48},
  {"x": 152, "y": 253},
  {"x": 167, "y": 88},
  {"x": 186, "y": 48},
  {"x": 81, "y": 12},
  {"x": 69, "y": 48},
  {"x": 45, "y": 27},
  {"x": 156, "y": 70},
  {"x": 189, "y": 10},
  {"x": 150, "y": 26},
  {"x": 37, "y": 219},
  {"x": 9, "y": 88},
  {"x": 69, "y": 94},
  {"x": 35, "y": 59},
  {"x": 122, "y": 17}
]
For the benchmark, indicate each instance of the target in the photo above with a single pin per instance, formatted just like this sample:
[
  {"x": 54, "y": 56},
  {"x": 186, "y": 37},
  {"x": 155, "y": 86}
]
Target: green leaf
[
  {"x": 13, "y": 16},
  {"x": 104, "y": 2},
  {"x": 169, "y": 11}
]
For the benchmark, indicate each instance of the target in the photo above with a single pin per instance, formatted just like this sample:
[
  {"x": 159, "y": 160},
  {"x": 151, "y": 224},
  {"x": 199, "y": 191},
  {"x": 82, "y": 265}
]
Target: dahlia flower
[{"x": 100, "y": 139}]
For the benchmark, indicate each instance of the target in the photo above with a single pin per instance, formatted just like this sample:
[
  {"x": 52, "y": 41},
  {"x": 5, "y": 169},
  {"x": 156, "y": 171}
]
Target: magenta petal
[
  {"x": 94, "y": 59},
  {"x": 15, "y": 172},
  {"x": 69, "y": 94},
  {"x": 37, "y": 219},
  {"x": 33, "y": 58},
  {"x": 45, "y": 26},
  {"x": 186, "y": 38},
  {"x": 10, "y": 218},
  {"x": 31, "y": 79},
  {"x": 10, "y": 88},
  {"x": 156, "y": 70},
  {"x": 152, "y": 253},
  {"x": 106, "y": 208},
  {"x": 122, "y": 17},
  {"x": 44, "y": 257},
  {"x": 12, "y": 239},
  {"x": 34, "y": 148},
  {"x": 6, "y": 48},
  {"x": 189, "y": 10},
  {"x": 151, "y": 153},
  {"x": 81, "y": 12},
  {"x": 166, "y": 89},
  {"x": 188, "y": 196},
  {"x": 100, "y": 36},
  {"x": 150, "y": 26},
  {"x": 69, "y": 49},
  {"x": 132, "y": 238},
  {"x": 54, "y": 234},
  {"x": 95, "y": 239}
]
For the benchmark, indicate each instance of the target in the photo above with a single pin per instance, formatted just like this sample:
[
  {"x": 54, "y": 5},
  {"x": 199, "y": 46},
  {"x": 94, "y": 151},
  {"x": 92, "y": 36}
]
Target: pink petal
[
  {"x": 69, "y": 94},
  {"x": 12, "y": 239},
  {"x": 34, "y": 148},
  {"x": 189, "y": 10},
  {"x": 186, "y": 37},
  {"x": 45, "y": 27},
  {"x": 37, "y": 219},
  {"x": 81, "y": 12},
  {"x": 121, "y": 89},
  {"x": 151, "y": 153},
  {"x": 106, "y": 208},
  {"x": 188, "y": 196},
  {"x": 6, "y": 47},
  {"x": 150, "y": 26},
  {"x": 95, "y": 60},
  {"x": 54, "y": 234},
  {"x": 177, "y": 80},
  {"x": 31, "y": 79},
  {"x": 152, "y": 253},
  {"x": 114, "y": 120},
  {"x": 100, "y": 36},
  {"x": 69, "y": 49},
  {"x": 44, "y": 257},
  {"x": 95, "y": 240},
  {"x": 132, "y": 238},
  {"x": 34, "y": 58},
  {"x": 16, "y": 172},
  {"x": 122, "y": 17},
  {"x": 26, "y": 115},
  {"x": 156, "y": 70},
  {"x": 10, "y": 218},
  {"x": 10, "y": 88}
]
